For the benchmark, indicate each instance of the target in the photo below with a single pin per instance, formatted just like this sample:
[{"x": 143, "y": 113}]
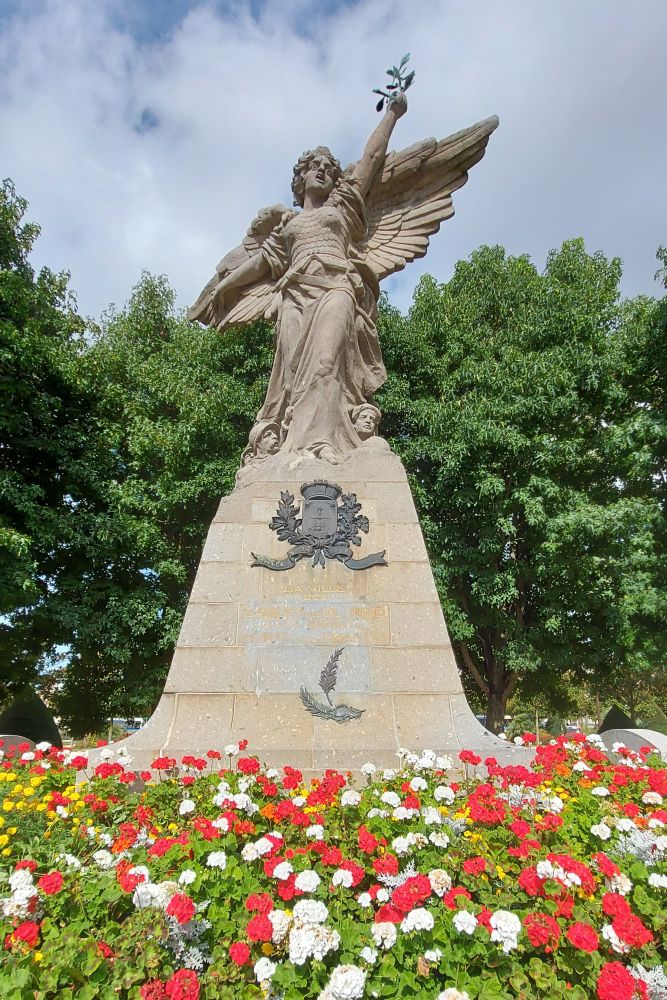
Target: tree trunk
[{"x": 499, "y": 690}]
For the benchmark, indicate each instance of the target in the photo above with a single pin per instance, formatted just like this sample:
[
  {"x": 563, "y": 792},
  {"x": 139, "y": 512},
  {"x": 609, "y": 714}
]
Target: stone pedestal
[{"x": 252, "y": 638}]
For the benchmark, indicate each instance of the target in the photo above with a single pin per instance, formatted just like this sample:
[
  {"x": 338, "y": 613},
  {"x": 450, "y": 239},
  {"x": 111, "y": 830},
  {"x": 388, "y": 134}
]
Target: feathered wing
[
  {"x": 413, "y": 195},
  {"x": 252, "y": 301}
]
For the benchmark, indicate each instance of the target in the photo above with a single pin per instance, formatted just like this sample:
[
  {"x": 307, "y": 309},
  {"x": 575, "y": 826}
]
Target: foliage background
[{"x": 528, "y": 407}]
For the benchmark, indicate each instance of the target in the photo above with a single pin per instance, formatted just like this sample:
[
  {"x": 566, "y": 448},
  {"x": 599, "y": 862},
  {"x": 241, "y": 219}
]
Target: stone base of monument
[{"x": 316, "y": 665}]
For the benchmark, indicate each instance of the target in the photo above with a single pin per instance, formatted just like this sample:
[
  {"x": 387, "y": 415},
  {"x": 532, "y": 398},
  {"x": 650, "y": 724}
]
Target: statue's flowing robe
[{"x": 327, "y": 353}]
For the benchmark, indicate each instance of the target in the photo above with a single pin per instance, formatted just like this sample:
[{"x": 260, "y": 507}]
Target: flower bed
[{"x": 221, "y": 879}]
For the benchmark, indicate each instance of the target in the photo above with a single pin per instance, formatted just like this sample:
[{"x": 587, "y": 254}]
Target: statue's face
[
  {"x": 268, "y": 444},
  {"x": 319, "y": 177},
  {"x": 365, "y": 423}
]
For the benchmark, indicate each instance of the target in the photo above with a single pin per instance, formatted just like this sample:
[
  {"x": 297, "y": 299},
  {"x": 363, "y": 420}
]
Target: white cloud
[{"x": 578, "y": 87}]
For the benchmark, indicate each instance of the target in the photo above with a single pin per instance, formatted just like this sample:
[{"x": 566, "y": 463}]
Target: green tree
[
  {"x": 511, "y": 404},
  {"x": 45, "y": 426}
]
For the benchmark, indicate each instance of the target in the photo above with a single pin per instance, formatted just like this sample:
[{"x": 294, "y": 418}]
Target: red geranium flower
[
  {"x": 260, "y": 928},
  {"x": 183, "y": 985},
  {"x": 583, "y": 936},
  {"x": 468, "y": 757},
  {"x": 239, "y": 953},
  {"x": 386, "y": 865},
  {"x": 542, "y": 930},
  {"x": 248, "y": 765},
  {"x": 28, "y": 932},
  {"x": 616, "y": 983},
  {"x": 449, "y": 899},
  {"x": 51, "y": 884},
  {"x": 412, "y": 893},
  {"x": 153, "y": 990},
  {"x": 474, "y": 866},
  {"x": 181, "y": 907}
]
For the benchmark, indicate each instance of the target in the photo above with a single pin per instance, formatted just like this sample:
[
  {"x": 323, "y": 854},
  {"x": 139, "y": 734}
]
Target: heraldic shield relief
[{"x": 323, "y": 529}]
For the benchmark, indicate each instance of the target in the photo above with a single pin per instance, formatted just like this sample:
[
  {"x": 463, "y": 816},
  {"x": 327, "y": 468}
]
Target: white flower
[
  {"x": 187, "y": 877},
  {"x": 71, "y": 861},
  {"x": 21, "y": 880},
  {"x": 280, "y": 921},
  {"x": 518, "y": 740},
  {"x": 307, "y": 881},
  {"x": 601, "y": 830},
  {"x": 654, "y": 823},
  {"x": 418, "y": 784},
  {"x": 283, "y": 871},
  {"x": 369, "y": 955},
  {"x": 505, "y": 929},
  {"x": 217, "y": 859},
  {"x": 502, "y": 736},
  {"x": 221, "y": 823},
  {"x": 610, "y": 935},
  {"x": 625, "y": 824},
  {"x": 249, "y": 852},
  {"x": 439, "y": 839},
  {"x": 657, "y": 881},
  {"x": 263, "y": 846},
  {"x": 309, "y": 911},
  {"x": 309, "y": 940},
  {"x": 263, "y": 970},
  {"x": 433, "y": 955},
  {"x": 453, "y": 994},
  {"x": 402, "y": 813},
  {"x": 148, "y": 894},
  {"x": 600, "y": 791},
  {"x": 141, "y": 871},
  {"x": 652, "y": 799},
  {"x": 382, "y": 896},
  {"x": 347, "y": 982},
  {"x": 465, "y": 922},
  {"x": 389, "y": 774},
  {"x": 106, "y": 753},
  {"x": 315, "y": 832},
  {"x": 299, "y": 800},
  {"x": 384, "y": 935},
  {"x": 440, "y": 881},
  {"x": 342, "y": 877},
  {"x": 621, "y": 884},
  {"x": 62, "y": 812},
  {"x": 186, "y": 806},
  {"x": 365, "y": 900},
  {"x": 104, "y": 859},
  {"x": 418, "y": 919},
  {"x": 43, "y": 746},
  {"x": 390, "y": 799},
  {"x": 231, "y": 749},
  {"x": 444, "y": 793},
  {"x": 377, "y": 812},
  {"x": 431, "y": 816},
  {"x": 368, "y": 769},
  {"x": 581, "y": 765},
  {"x": 661, "y": 844}
]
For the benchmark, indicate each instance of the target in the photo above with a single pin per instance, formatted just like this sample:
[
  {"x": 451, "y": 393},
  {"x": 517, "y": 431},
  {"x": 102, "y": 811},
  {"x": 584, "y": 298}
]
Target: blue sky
[{"x": 148, "y": 135}]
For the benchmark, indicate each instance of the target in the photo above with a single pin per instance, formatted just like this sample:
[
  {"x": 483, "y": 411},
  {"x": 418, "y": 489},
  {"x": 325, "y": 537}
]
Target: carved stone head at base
[{"x": 366, "y": 419}]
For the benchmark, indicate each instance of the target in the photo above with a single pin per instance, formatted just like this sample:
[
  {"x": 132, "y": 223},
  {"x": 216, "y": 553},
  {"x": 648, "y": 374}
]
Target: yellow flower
[
  {"x": 37, "y": 956},
  {"x": 76, "y": 821},
  {"x": 7, "y": 805},
  {"x": 267, "y": 948},
  {"x": 17, "y": 789},
  {"x": 36, "y": 781},
  {"x": 7, "y": 851},
  {"x": 4, "y": 839},
  {"x": 2, "y": 822},
  {"x": 40, "y": 807},
  {"x": 11, "y": 830},
  {"x": 172, "y": 826},
  {"x": 500, "y": 873}
]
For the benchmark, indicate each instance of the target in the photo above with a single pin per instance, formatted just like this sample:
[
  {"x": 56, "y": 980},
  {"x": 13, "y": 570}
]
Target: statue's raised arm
[{"x": 316, "y": 272}]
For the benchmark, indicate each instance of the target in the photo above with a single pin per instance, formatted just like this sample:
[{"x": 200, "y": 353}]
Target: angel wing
[
  {"x": 251, "y": 302},
  {"x": 412, "y": 196}
]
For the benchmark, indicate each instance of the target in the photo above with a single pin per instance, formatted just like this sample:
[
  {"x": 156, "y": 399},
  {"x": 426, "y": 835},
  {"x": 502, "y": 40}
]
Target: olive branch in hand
[{"x": 399, "y": 83}]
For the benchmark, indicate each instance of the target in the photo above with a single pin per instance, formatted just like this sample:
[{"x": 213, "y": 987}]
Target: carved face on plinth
[
  {"x": 365, "y": 419},
  {"x": 268, "y": 443}
]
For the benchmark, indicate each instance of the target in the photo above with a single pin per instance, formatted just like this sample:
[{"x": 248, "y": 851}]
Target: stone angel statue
[{"x": 316, "y": 273}]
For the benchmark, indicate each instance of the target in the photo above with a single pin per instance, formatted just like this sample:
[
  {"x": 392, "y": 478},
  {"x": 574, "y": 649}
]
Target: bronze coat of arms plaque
[{"x": 323, "y": 529}]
